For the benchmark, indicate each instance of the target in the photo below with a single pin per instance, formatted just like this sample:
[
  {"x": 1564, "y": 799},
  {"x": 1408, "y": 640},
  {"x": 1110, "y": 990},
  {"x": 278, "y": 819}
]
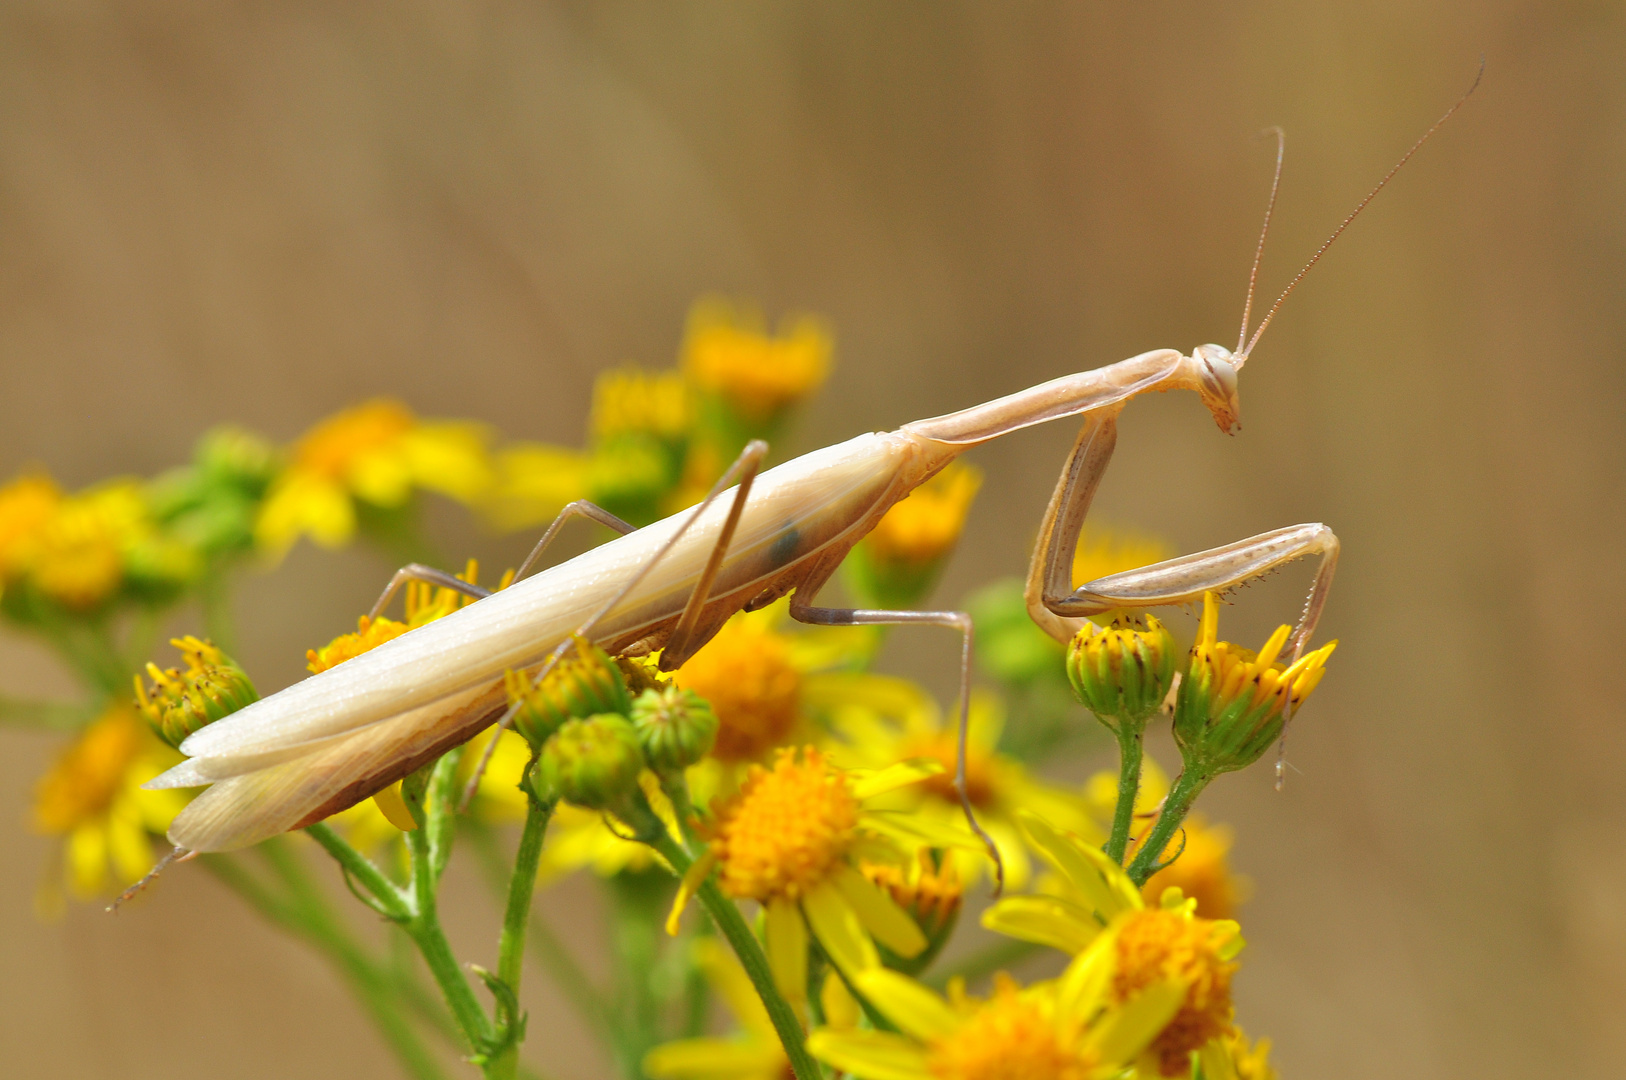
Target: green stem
[
  {"x": 546, "y": 947},
  {"x": 749, "y": 950},
  {"x": 428, "y": 844},
  {"x": 516, "y": 917},
  {"x": 363, "y": 870},
  {"x": 46, "y": 715},
  {"x": 1123, "y": 816},
  {"x": 371, "y": 986},
  {"x": 214, "y": 597},
  {"x": 1175, "y": 807}
]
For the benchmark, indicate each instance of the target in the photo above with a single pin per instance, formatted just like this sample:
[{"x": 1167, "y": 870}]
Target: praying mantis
[{"x": 335, "y": 738}]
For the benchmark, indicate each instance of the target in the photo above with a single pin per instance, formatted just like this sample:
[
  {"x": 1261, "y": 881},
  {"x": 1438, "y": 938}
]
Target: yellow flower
[
  {"x": 923, "y": 527},
  {"x": 754, "y": 1053},
  {"x": 181, "y": 703},
  {"x": 1231, "y": 1058},
  {"x": 1102, "y": 913},
  {"x": 77, "y": 555},
  {"x": 749, "y": 675},
  {"x": 728, "y": 353},
  {"x": 1069, "y": 1029},
  {"x": 876, "y": 721},
  {"x": 93, "y": 798},
  {"x": 378, "y": 452},
  {"x": 533, "y": 482},
  {"x": 791, "y": 839},
  {"x": 26, "y": 504},
  {"x": 1232, "y": 703},
  {"x": 631, "y": 400}
]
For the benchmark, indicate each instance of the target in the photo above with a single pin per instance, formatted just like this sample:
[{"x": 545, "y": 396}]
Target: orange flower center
[
  {"x": 1157, "y": 945},
  {"x": 786, "y": 829},
  {"x": 85, "y": 779},
  {"x": 980, "y": 786},
  {"x": 1012, "y": 1037},
  {"x": 747, "y": 675}
]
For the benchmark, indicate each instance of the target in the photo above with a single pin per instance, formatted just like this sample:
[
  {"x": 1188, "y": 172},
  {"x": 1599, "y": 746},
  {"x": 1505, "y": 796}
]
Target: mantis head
[{"x": 1216, "y": 368}]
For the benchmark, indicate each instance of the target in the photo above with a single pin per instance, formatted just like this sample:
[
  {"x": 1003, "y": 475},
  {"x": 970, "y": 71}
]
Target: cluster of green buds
[
  {"x": 1123, "y": 672},
  {"x": 593, "y": 738},
  {"x": 179, "y": 703},
  {"x": 1233, "y": 703}
]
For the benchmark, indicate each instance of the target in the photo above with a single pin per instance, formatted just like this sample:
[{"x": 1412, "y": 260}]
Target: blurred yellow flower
[
  {"x": 378, "y": 452},
  {"x": 534, "y": 481},
  {"x": 92, "y": 797},
  {"x": 728, "y": 352},
  {"x": 925, "y": 525},
  {"x": 26, "y": 504},
  {"x": 631, "y": 400},
  {"x": 1103, "y": 551},
  {"x": 748, "y": 673},
  {"x": 878, "y": 720}
]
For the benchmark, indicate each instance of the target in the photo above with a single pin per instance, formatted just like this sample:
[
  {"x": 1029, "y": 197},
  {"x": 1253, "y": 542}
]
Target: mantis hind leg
[{"x": 803, "y": 611}]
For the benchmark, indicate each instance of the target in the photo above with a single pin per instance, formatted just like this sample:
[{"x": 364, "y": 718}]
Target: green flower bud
[
  {"x": 676, "y": 728},
  {"x": 1233, "y": 703},
  {"x": 236, "y": 456},
  {"x": 1122, "y": 673},
  {"x": 592, "y": 763},
  {"x": 583, "y": 682},
  {"x": 180, "y": 703}
]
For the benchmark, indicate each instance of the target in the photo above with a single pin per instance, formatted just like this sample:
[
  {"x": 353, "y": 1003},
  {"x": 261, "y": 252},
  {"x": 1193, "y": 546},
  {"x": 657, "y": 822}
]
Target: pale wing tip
[{"x": 186, "y": 774}]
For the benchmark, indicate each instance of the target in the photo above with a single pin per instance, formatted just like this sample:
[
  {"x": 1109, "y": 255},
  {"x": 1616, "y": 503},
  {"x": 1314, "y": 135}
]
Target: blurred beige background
[{"x": 262, "y": 212}]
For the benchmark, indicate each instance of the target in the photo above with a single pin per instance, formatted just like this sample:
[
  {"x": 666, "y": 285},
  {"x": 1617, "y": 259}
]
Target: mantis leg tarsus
[{"x": 430, "y": 576}]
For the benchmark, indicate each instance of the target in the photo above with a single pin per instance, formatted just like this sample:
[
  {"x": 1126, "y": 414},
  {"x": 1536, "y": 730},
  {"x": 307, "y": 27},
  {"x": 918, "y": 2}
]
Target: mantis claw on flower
[{"x": 339, "y": 736}]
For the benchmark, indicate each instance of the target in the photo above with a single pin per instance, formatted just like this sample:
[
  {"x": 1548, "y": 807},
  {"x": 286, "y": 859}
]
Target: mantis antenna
[{"x": 1244, "y": 349}]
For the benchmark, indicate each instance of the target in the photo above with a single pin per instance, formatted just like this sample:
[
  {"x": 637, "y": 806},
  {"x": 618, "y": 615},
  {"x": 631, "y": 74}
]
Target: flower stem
[
  {"x": 1175, "y": 807},
  {"x": 732, "y": 925},
  {"x": 389, "y": 895},
  {"x": 516, "y": 917},
  {"x": 546, "y": 947},
  {"x": 1123, "y": 816}
]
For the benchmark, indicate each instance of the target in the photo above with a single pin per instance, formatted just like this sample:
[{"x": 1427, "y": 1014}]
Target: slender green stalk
[
  {"x": 732, "y": 925},
  {"x": 429, "y": 845},
  {"x": 546, "y": 947},
  {"x": 1123, "y": 816},
  {"x": 1175, "y": 807},
  {"x": 214, "y": 597},
  {"x": 45, "y": 715},
  {"x": 372, "y": 987},
  {"x": 516, "y": 917},
  {"x": 363, "y": 870}
]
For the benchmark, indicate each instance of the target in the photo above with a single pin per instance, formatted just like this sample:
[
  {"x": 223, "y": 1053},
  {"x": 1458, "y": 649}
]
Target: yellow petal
[
  {"x": 838, "y": 929},
  {"x": 1104, "y": 885},
  {"x": 1044, "y": 920},
  {"x": 882, "y": 917},
  {"x": 787, "y": 949},
  {"x": 841, "y": 1009},
  {"x": 872, "y": 1055},
  {"x": 1125, "y": 1031},
  {"x": 896, "y": 776},
  {"x": 1229, "y": 933},
  {"x": 87, "y": 859},
  {"x": 698, "y": 871},
  {"x": 1216, "y": 1063},
  {"x": 394, "y": 808},
  {"x": 915, "y": 830},
  {"x": 127, "y": 844},
  {"x": 723, "y": 971},
  {"x": 916, "y": 1010},
  {"x": 714, "y": 1059},
  {"x": 1083, "y": 986}
]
